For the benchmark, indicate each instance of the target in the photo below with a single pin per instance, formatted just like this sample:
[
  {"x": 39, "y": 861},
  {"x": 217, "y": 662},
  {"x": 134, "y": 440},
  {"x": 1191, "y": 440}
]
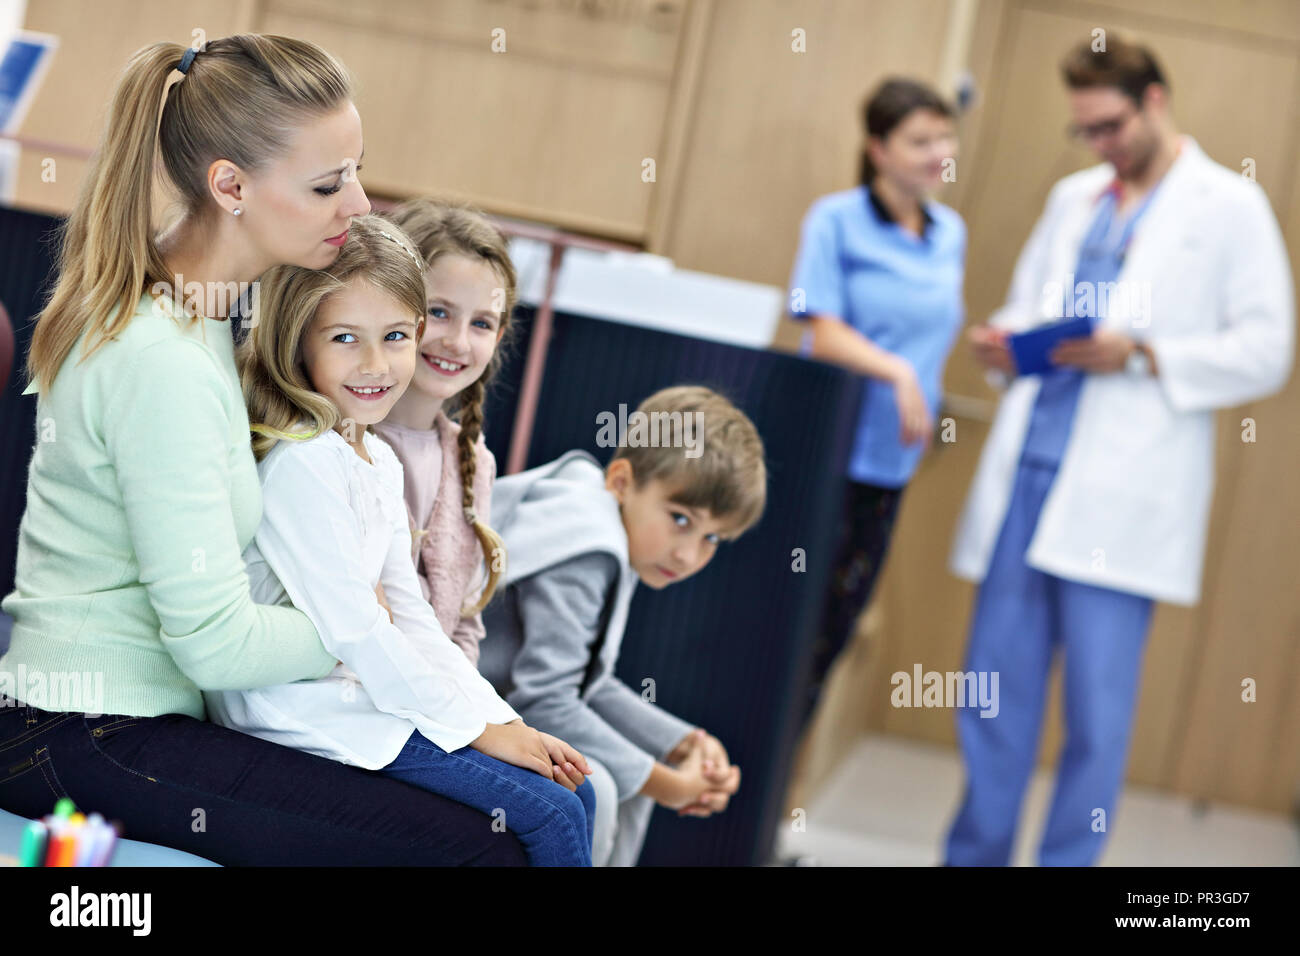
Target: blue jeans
[
  {"x": 552, "y": 822},
  {"x": 263, "y": 804}
]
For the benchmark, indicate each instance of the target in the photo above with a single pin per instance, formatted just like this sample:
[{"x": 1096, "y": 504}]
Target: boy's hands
[
  {"x": 518, "y": 744},
  {"x": 702, "y": 780},
  {"x": 717, "y": 769},
  {"x": 678, "y": 787},
  {"x": 684, "y": 747}
]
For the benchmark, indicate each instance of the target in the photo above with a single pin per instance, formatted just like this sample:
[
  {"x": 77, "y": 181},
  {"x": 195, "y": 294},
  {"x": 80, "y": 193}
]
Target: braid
[
  {"x": 441, "y": 227},
  {"x": 470, "y": 409},
  {"x": 470, "y": 403}
]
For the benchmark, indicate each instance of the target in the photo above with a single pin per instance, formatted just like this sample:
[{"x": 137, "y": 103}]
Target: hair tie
[
  {"x": 470, "y": 516},
  {"x": 270, "y": 432},
  {"x": 187, "y": 59},
  {"x": 414, "y": 258}
]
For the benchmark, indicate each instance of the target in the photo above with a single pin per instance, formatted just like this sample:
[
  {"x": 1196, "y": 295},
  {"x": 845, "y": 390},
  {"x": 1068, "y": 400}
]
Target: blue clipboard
[
  {"x": 23, "y": 61},
  {"x": 1031, "y": 349}
]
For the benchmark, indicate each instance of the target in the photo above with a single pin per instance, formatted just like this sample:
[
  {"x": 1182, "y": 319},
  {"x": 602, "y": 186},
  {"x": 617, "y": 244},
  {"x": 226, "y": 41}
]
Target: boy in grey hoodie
[{"x": 688, "y": 473}]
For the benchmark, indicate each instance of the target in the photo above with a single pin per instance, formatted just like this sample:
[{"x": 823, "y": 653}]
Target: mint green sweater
[{"x": 130, "y": 592}]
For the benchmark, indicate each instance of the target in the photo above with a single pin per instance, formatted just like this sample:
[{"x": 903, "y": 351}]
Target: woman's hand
[
  {"x": 991, "y": 349},
  {"x": 915, "y": 423}
]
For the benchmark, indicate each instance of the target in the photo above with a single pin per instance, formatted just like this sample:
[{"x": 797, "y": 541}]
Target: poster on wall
[{"x": 26, "y": 56}]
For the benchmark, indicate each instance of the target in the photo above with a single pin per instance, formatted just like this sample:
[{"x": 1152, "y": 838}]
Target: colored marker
[
  {"x": 110, "y": 836},
  {"x": 53, "y": 846},
  {"x": 104, "y": 838},
  {"x": 67, "y": 847},
  {"x": 32, "y": 852},
  {"x": 89, "y": 840},
  {"x": 76, "y": 836}
]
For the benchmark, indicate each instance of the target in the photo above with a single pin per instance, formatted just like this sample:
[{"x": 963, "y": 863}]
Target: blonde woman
[{"x": 131, "y": 596}]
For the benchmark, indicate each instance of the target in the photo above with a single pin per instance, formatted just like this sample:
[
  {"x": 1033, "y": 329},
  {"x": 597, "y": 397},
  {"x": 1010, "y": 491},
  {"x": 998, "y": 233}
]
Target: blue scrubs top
[
  {"x": 901, "y": 291},
  {"x": 1101, "y": 256}
]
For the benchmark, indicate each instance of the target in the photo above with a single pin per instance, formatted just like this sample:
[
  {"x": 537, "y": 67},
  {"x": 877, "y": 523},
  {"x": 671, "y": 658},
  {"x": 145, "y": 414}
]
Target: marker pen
[{"x": 32, "y": 852}]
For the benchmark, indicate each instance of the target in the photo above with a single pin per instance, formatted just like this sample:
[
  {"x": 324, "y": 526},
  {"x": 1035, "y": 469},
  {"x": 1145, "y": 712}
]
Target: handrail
[{"x": 49, "y": 146}]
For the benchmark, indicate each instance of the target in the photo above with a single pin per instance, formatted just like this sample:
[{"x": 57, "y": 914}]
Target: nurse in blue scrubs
[{"x": 878, "y": 280}]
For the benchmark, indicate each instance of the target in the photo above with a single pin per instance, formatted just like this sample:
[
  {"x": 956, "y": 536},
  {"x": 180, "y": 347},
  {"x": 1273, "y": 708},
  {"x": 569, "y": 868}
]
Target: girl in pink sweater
[{"x": 470, "y": 286}]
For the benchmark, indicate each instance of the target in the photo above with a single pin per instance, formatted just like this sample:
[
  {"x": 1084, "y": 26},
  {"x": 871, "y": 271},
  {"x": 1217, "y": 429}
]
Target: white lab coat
[{"x": 1130, "y": 506}]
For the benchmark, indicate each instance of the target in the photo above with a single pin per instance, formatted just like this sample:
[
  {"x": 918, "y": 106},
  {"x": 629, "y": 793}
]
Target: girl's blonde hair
[
  {"x": 240, "y": 100},
  {"x": 439, "y": 228},
  {"x": 277, "y": 389}
]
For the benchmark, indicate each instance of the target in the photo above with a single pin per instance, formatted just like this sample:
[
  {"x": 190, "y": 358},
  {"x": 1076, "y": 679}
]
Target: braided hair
[{"x": 439, "y": 227}]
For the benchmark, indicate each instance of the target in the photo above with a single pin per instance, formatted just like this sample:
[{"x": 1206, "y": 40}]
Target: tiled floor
[{"x": 891, "y": 801}]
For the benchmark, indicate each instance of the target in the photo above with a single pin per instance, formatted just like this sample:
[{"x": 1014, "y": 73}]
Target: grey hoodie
[{"x": 555, "y": 627}]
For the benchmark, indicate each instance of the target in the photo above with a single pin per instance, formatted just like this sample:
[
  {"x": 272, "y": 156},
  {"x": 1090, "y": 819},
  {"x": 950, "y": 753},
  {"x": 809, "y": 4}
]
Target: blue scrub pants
[{"x": 1021, "y": 616}]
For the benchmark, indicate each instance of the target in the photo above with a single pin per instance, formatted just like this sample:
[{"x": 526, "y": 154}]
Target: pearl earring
[{"x": 238, "y": 212}]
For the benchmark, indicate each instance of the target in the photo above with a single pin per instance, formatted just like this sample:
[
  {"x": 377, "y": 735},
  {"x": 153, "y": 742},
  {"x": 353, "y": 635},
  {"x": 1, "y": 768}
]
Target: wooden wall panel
[
  {"x": 553, "y": 129},
  {"x": 774, "y": 129},
  {"x": 95, "y": 42},
  {"x": 1231, "y": 749}
]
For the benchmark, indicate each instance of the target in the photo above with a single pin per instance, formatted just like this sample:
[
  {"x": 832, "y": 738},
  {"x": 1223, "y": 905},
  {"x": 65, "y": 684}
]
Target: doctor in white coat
[{"x": 1092, "y": 496}]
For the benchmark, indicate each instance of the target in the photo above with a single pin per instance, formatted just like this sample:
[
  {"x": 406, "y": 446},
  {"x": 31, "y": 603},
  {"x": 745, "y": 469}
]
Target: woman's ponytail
[
  {"x": 108, "y": 256},
  {"x": 240, "y": 100}
]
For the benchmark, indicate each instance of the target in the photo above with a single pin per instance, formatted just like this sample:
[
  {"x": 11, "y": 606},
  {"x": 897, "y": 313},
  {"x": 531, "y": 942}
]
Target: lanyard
[
  {"x": 1103, "y": 225},
  {"x": 1111, "y": 194}
]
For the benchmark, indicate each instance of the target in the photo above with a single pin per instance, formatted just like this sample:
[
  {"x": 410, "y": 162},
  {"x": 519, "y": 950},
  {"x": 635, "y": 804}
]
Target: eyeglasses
[{"x": 1104, "y": 129}]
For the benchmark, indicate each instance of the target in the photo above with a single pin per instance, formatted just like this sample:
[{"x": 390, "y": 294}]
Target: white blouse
[{"x": 333, "y": 525}]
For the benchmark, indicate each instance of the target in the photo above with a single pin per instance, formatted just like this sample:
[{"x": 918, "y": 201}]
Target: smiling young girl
[
  {"x": 469, "y": 284},
  {"x": 335, "y": 542}
]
